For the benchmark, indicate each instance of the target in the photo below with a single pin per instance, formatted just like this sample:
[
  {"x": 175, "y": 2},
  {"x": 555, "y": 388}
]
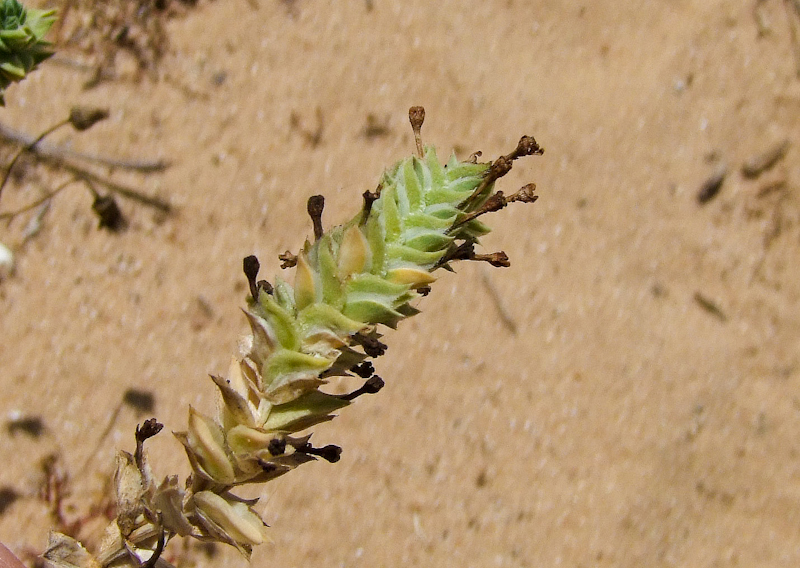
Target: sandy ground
[{"x": 641, "y": 406}]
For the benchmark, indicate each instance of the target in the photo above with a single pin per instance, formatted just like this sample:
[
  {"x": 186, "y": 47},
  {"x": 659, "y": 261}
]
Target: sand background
[{"x": 616, "y": 422}]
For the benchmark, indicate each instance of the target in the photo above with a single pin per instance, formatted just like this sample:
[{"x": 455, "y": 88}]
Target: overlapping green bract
[
  {"x": 22, "y": 44},
  {"x": 358, "y": 275}
]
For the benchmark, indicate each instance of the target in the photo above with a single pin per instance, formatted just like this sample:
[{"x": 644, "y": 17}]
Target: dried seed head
[
  {"x": 111, "y": 218},
  {"x": 527, "y": 146},
  {"x": 288, "y": 260},
  {"x": 372, "y": 386},
  {"x": 525, "y": 194},
  {"x": 496, "y": 259},
  {"x": 501, "y": 166},
  {"x": 372, "y": 346},
  {"x": 251, "y": 266},
  {"x": 364, "y": 369},
  {"x": 369, "y": 198},
  {"x": 149, "y": 429},
  {"x": 495, "y": 203},
  {"x": 329, "y": 453},
  {"x": 83, "y": 118},
  {"x": 416, "y": 115},
  {"x": 316, "y": 203},
  {"x": 277, "y": 446},
  {"x": 265, "y": 286}
]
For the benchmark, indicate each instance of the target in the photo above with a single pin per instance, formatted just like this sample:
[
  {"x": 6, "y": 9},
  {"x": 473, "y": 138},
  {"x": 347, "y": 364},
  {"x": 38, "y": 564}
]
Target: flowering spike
[{"x": 349, "y": 281}]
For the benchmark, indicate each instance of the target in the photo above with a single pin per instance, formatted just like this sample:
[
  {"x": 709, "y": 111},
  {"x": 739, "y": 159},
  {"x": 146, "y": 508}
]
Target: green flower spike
[
  {"x": 347, "y": 282},
  {"x": 22, "y": 44}
]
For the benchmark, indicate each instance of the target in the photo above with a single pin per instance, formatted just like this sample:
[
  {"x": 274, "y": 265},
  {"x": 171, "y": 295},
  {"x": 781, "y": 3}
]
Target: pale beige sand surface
[{"x": 617, "y": 422}]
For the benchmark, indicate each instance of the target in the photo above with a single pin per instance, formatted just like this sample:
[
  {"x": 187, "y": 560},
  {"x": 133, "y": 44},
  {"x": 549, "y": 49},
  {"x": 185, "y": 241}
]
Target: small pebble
[
  {"x": 712, "y": 185},
  {"x": 757, "y": 165}
]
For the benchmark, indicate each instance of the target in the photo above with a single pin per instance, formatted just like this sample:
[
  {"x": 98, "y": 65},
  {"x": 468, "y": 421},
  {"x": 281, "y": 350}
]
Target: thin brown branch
[
  {"x": 53, "y": 151},
  {"x": 124, "y": 191},
  {"x": 10, "y": 215},
  {"x": 29, "y": 147}
]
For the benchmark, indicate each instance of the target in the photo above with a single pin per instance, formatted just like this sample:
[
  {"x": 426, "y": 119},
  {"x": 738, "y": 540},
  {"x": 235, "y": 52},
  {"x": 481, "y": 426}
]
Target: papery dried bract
[
  {"x": 235, "y": 519},
  {"x": 305, "y": 287},
  {"x": 353, "y": 252},
  {"x": 130, "y": 490},
  {"x": 205, "y": 440},
  {"x": 235, "y": 402},
  {"x": 169, "y": 501},
  {"x": 65, "y": 552}
]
